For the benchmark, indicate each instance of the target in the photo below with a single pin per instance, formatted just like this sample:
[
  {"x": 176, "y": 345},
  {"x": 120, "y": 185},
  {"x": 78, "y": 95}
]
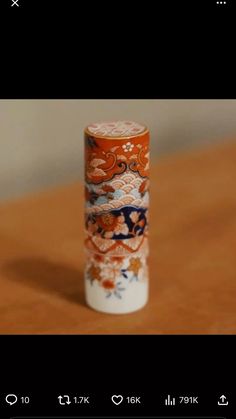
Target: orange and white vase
[{"x": 116, "y": 216}]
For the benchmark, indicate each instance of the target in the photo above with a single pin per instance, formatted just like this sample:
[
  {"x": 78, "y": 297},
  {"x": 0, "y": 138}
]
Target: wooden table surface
[{"x": 192, "y": 262}]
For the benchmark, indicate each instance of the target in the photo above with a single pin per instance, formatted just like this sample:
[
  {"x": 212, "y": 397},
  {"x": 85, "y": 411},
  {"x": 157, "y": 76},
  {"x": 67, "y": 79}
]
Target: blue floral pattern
[{"x": 124, "y": 223}]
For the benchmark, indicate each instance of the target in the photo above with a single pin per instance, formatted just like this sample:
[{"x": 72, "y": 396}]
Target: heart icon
[{"x": 117, "y": 399}]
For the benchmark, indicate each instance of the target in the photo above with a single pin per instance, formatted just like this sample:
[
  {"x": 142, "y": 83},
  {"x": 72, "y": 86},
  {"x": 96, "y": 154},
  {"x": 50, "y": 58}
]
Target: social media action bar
[{"x": 169, "y": 401}]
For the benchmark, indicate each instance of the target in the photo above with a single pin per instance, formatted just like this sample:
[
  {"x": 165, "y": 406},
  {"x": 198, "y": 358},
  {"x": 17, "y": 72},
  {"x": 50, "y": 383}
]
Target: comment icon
[{"x": 11, "y": 399}]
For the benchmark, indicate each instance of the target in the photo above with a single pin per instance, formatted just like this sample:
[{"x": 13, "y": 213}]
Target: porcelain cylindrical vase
[{"x": 116, "y": 216}]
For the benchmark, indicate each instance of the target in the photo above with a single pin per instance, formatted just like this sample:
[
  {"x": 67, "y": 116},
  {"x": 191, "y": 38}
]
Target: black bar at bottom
[{"x": 118, "y": 417}]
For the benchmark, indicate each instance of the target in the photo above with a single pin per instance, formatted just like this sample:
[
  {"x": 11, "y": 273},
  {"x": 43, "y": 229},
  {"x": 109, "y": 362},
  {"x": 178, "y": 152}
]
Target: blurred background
[{"x": 41, "y": 141}]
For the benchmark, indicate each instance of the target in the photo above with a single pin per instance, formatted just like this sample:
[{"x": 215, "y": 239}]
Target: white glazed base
[
  {"x": 117, "y": 284},
  {"x": 134, "y": 298}
]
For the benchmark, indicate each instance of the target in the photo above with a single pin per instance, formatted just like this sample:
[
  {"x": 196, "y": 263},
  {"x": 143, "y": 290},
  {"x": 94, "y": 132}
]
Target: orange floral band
[{"x": 106, "y": 158}]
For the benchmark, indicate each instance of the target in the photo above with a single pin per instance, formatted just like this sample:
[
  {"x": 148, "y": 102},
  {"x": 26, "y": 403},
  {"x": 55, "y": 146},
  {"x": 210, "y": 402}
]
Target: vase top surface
[{"x": 116, "y": 129}]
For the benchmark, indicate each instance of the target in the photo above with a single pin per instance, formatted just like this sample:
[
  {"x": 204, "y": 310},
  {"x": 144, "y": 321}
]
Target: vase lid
[{"x": 116, "y": 129}]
